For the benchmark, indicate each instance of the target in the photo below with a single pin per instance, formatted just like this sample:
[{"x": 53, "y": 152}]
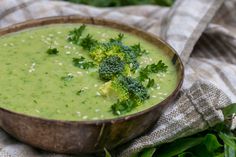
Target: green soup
[{"x": 30, "y": 79}]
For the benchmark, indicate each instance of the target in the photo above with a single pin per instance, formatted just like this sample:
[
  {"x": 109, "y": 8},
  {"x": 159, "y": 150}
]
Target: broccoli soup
[{"x": 81, "y": 72}]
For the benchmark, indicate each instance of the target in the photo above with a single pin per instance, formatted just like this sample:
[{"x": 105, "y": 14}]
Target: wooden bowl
[{"x": 76, "y": 137}]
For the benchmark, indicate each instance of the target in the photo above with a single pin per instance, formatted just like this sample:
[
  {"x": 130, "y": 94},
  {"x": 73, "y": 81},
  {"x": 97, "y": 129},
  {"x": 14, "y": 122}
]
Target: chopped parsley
[
  {"x": 67, "y": 78},
  {"x": 79, "y": 92},
  {"x": 52, "y": 51},
  {"x": 122, "y": 107},
  {"x": 81, "y": 63},
  {"x": 152, "y": 68},
  {"x": 74, "y": 35}
]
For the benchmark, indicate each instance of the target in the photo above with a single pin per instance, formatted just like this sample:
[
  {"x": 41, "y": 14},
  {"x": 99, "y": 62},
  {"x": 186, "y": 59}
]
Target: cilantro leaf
[
  {"x": 81, "y": 63},
  {"x": 67, "y": 78},
  {"x": 52, "y": 51},
  {"x": 122, "y": 107},
  {"x": 88, "y": 42},
  {"x": 79, "y": 92},
  {"x": 151, "y": 83},
  {"x": 74, "y": 35},
  {"x": 137, "y": 49},
  {"x": 152, "y": 68}
]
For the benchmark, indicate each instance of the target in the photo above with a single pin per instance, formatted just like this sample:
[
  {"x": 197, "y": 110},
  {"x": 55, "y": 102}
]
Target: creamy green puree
[{"x": 31, "y": 80}]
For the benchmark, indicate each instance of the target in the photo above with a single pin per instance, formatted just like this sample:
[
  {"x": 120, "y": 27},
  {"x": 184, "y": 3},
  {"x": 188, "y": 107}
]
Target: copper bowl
[{"x": 76, "y": 137}]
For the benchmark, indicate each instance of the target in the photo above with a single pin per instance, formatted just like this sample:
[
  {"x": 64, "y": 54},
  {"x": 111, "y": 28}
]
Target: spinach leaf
[
  {"x": 147, "y": 152},
  {"x": 228, "y": 140},
  {"x": 211, "y": 142},
  {"x": 179, "y": 146},
  {"x": 229, "y": 151},
  {"x": 228, "y": 111},
  {"x": 107, "y": 153}
]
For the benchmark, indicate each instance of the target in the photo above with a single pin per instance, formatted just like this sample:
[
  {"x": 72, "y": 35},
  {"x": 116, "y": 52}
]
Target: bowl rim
[{"x": 39, "y": 22}]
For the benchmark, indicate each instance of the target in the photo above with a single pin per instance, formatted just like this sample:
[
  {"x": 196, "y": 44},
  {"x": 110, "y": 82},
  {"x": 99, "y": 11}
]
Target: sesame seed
[
  {"x": 95, "y": 85},
  {"x": 154, "y": 96},
  {"x": 78, "y": 113},
  {"x": 37, "y": 111},
  {"x": 79, "y": 72},
  {"x": 98, "y": 94},
  {"x": 97, "y": 110},
  {"x": 56, "y": 43},
  {"x": 85, "y": 117},
  {"x": 95, "y": 118},
  {"x": 68, "y": 52}
]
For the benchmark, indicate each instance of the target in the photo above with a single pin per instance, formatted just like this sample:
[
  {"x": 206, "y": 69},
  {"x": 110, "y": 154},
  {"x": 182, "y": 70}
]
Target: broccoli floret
[
  {"x": 124, "y": 88},
  {"x": 114, "y": 90},
  {"x": 135, "y": 93},
  {"x": 135, "y": 89},
  {"x": 101, "y": 51},
  {"x": 111, "y": 67}
]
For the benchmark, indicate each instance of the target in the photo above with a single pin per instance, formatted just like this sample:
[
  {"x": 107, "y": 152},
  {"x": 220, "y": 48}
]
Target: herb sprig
[
  {"x": 52, "y": 51},
  {"x": 82, "y": 63}
]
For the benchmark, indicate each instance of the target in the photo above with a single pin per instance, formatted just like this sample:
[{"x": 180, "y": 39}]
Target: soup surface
[{"x": 31, "y": 80}]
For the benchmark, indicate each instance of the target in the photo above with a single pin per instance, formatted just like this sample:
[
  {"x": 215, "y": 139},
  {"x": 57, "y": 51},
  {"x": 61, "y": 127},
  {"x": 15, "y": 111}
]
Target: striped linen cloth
[{"x": 202, "y": 31}]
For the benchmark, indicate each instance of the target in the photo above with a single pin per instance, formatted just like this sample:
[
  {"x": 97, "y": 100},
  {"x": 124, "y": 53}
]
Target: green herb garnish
[
  {"x": 79, "y": 92},
  {"x": 122, "y": 107},
  {"x": 81, "y": 63},
  {"x": 52, "y": 51},
  {"x": 116, "y": 63},
  {"x": 67, "y": 78},
  {"x": 74, "y": 35},
  {"x": 152, "y": 68}
]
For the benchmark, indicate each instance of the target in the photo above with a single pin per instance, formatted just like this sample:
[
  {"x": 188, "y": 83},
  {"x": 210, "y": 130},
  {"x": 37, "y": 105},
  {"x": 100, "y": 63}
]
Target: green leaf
[
  {"x": 227, "y": 140},
  {"x": 186, "y": 154},
  {"x": 52, "y": 51},
  {"x": 211, "y": 142},
  {"x": 88, "y": 42},
  {"x": 179, "y": 146},
  {"x": 151, "y": 83},
  {"x": 81, "y": 63},
  {"x": 107, "y": 153},
  {"x": 220, "y": 155},
  {"x": 229, "y": 151},
  {"x": 229, "y": 110},
  {"x": 74, "y": 35},
  {"x": 67, "y": 78},
  {"x": 152, "y": 68},
  {"x": 201, "y": 151},
  {"x": 122, "y": 107},
  {"x": 148, "y": 152}
]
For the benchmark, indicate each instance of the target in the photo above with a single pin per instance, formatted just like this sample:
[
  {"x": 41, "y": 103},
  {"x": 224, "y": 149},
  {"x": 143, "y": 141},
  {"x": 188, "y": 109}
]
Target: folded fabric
[{"x": 197, "y": 109}]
